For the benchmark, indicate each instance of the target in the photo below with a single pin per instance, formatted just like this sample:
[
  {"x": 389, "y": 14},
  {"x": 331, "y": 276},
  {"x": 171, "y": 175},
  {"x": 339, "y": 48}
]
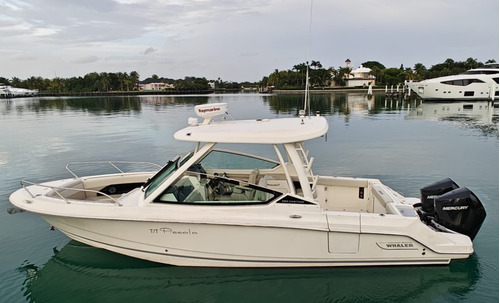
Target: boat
[
  {"x": 7, "y": 91},
  {"x": 479, "y": 84},
  {"x": 220, "y": 207}
]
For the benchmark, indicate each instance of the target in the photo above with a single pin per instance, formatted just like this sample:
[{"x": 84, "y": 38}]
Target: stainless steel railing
[
  {"x": 113, "y": 164},
  {"x": 56, "y": 190}
]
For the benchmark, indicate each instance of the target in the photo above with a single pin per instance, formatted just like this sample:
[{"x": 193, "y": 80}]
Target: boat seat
[
  {"x": 264, "y": 179},
  {"x": 391, "y": 209},
  {"x": 72, "y": 190},
  {"x": 242, "y": 193},
  {"x": 381, "y": 199},
  {"x": 254, "y": 176}
]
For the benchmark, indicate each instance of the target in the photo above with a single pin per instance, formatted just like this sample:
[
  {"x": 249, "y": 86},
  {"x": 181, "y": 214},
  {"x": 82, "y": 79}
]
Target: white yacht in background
[
  {"x": 479, "y": 84},
  {"x": 7, "y": 91},
  {"x": 221, "y": 208}
]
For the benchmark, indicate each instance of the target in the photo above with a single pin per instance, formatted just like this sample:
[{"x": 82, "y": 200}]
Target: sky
[{"x": 237, "y": 40}]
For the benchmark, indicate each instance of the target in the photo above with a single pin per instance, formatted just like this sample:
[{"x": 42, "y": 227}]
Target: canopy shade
[{"x": 265, "y": 131}]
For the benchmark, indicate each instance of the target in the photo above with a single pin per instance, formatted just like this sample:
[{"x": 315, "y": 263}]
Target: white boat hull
[
  {"x": 435, "y": 91},
  {"x": 214, "y": 245},
  {"x": 479, "y": 84}
]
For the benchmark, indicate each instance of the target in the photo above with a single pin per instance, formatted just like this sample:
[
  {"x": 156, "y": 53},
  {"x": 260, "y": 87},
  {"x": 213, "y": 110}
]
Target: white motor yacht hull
[
  {"x": 220, "y": 245},
  {"x": 242, "y": 246},
  {"x": 436, "y": 91},
  {"x": 475, "y": 85}
]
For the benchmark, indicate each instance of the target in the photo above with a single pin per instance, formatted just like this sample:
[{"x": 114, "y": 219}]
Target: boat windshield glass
[
  {"x": 220, "y": 159},
  {"x": 481, "y": 72},
  {"x": 152, "y": 184},
  {"x": 199, "y": 188},
  {"x": 462, "y": 82}
]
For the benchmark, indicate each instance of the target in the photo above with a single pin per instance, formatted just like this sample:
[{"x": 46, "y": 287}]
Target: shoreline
[
  {"x": 197, "y": 92},
  {"x": 327, "y": 91}
]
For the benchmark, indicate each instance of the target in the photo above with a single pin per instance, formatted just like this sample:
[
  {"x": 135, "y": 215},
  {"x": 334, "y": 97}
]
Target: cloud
[
  {"x": 86, "y": 59},
  {"x": 41, "y": 32},
  {"x": 23, "y": 56},
  {"x": 238, "y": 39},
  {"x": 249, "y": 54},
  {"x": 150, "y": 50}
]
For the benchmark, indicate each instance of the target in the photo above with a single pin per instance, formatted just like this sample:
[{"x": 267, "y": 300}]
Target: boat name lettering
[
  {"x": 167, "y": 230},
  {"x": 293, "y": 200},
  {"x": 399, "y": 245},
  {"x": 461, "y": 207},
  {"x": 396, "y": 245},
  {"x": 212, "y": 109}
]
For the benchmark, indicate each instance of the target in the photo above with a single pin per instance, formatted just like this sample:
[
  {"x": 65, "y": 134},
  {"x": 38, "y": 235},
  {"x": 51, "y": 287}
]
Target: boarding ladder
[{"x": 307, "y": 164}]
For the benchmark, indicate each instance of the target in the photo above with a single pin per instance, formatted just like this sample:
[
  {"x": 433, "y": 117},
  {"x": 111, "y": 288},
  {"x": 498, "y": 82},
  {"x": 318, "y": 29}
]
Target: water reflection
[
  {"x": 95, "y": 105},
  {"x": 80, "y": 273},
  {"x": 340, "y": 103},
  {"x": 161, "y": 101},
  {"x": 481, "y": 115}
]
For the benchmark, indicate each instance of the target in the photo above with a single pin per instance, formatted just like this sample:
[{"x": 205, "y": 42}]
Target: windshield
[
  {"x": 152, "y": 184},
  {"x": 221, "y": 159},
  {"x": 217, "y": 162},
  {"x": 199, "y": 188}
]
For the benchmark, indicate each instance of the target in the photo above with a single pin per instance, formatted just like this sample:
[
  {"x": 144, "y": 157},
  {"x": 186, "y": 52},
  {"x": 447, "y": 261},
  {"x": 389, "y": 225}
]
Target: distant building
[
  {"x": 360, "y": 77},
  {"x": 156, "y": 84},
  {"x": 347, "y": 63}
]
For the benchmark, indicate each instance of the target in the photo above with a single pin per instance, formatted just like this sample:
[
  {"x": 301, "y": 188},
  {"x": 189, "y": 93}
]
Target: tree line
[
  {"x": 294, "y": 78},
  {"x": 91, "y": 82},
  {"x": 101, "y": 82},
  {"x": 325, "y": 77}
]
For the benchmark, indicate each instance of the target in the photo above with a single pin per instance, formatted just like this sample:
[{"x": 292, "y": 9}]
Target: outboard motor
[
  {"x": 460, "y": 210},
  {"x": 430, "y": 192},
  {"x": 446, "y": 206}
]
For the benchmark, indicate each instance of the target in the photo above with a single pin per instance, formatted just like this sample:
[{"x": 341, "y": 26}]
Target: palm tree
[
  {"x": 90, "y": 81},
  {"x": 449, "y": 63},
  {"x": 316, "y": 64},
  {"x": 409, "y": 74},
  {"x": 122, "y": 80},
  {"x": 340, "y": 75},
  {"x": 104, "y": 81},
  {"x": 471, "y": 63},
  {"x": 16, "y": 82},
  {"x": 134, "y": 78},
  {"x": 420, "y": 71}
]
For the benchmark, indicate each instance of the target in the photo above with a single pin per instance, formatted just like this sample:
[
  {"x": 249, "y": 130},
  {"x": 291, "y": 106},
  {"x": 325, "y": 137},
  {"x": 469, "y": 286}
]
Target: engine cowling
[
  {"x": 445, "y": 204},
  {"x": 460, "y": 210},
  {"x": 430, "y": 192}
]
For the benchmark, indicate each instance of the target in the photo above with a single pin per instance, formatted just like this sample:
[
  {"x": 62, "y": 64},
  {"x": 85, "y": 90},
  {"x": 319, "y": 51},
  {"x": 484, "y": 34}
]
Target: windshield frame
[
  {"x": 233, "y": 184},
  {"x": 154, "y": 182}
]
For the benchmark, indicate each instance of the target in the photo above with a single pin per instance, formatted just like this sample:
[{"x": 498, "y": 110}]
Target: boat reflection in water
[
  {"x": 80, "y": 273},
  {"x": 345, "y": 104},
  {"x": 481, "y": 115}
]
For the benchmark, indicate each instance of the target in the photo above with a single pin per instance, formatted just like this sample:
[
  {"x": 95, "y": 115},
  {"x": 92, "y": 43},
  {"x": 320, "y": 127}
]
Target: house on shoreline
[
  {"x": 360, "y": 77},
  {"x": 156, "y": 84}
]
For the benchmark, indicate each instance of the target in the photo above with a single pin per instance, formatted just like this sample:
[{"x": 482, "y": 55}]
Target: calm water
[{"x": 406, "y": 144}]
